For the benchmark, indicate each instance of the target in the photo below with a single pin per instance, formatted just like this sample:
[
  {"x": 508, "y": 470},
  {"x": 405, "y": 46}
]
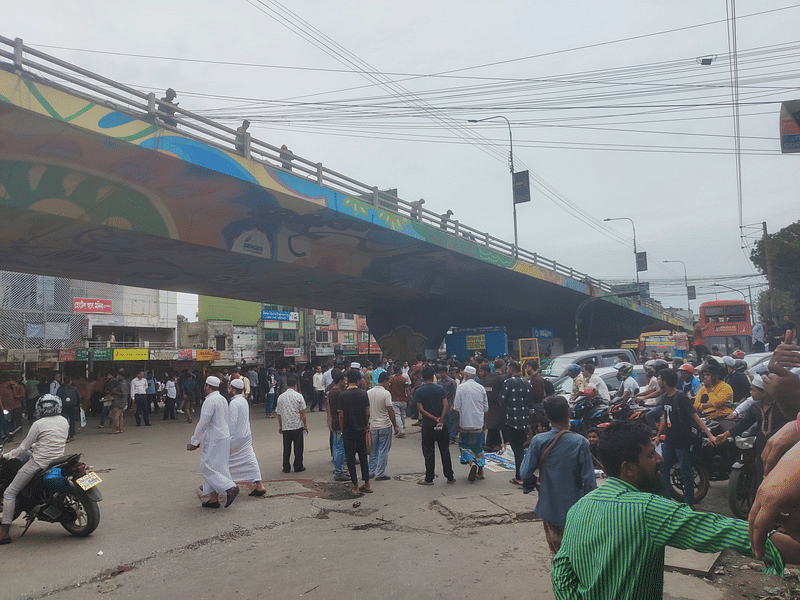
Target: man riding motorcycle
[
  {"x": 630, "y": 386},
  {"x": 44, "y": 443}
]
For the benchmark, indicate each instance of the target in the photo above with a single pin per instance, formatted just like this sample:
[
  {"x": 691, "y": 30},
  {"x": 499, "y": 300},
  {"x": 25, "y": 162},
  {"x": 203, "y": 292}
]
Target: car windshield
[
  {"x": 557, "y": 366},
  {"x": 563, "y": 386},
  {"x": 754, "y": 359}
]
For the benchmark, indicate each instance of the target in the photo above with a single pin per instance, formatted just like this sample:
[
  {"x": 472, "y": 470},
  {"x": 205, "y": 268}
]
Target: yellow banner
[
  {"x": 131, "y": 354},
  {"x": 207, "y": 355},
  {"x": 476, "y": 342}
]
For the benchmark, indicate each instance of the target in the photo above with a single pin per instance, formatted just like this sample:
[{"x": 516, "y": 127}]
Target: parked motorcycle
[
  {"x": 65, "y": 493},
  {"x": 746, "y": 476}
]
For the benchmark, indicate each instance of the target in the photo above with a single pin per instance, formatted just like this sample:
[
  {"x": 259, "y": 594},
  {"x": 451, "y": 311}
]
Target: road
[{"x": 305, "y": 539}]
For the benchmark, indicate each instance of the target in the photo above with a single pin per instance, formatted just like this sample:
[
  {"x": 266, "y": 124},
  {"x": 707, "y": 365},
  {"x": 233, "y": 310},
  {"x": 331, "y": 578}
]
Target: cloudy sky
[{"x": 610, "y": 108}]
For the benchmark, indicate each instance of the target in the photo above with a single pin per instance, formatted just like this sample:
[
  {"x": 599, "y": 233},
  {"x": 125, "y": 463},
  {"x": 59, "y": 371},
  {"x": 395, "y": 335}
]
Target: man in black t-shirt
[
  {"x": 354, "y": 419},
  {"x": 432, "y": 408},
  {"x": 676, "y": 422}
]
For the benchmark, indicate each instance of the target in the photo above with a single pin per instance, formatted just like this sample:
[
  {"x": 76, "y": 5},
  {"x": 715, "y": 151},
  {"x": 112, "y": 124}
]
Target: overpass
[{"x": 98, "y": 183}]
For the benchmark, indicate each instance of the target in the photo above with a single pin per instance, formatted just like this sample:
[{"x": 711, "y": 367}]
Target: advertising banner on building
[
  {"x": 365, "y": 348},
  {"x": 349, "y": 348},
  {"x": 163, "y": 355},
  {"x": 292, "y": 352},
  {"x": 131, "y": 354},
  {"x": 790, "y": 127},
  {"x": 103, "y": 354},
  {"x": 91, "y": 305},
  {"x": 346, "y": 323},
  {"x": 185, "y": 354},
  {"x": 542, "y": 332},
  {"x": 324, "y": 351}
]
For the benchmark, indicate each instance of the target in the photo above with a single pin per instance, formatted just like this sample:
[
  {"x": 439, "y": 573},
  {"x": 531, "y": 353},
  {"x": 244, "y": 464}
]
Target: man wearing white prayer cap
[
  {"x": 243, "y": 463},
  {"x": 213, "y": 434}
]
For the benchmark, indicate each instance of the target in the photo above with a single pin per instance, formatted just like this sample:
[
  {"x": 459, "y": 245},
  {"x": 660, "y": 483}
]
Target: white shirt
[
  {"x": 327, "y": 378},
  {"x": 379, "y": 401},
  {"x": 318, "y": 382},
  {"x": 239, "y": 417},
  {"x": 46, "y": 441},
  {"x": 172, "y": 392},
  {"x": 630, "y": 385},
  {"x": 597, "y": 383},
  {"x": 471, "y": 403},
  {"x": 138, "y": 386},
  {"x": 290, "y": 405},
  {"x": 758, "y": 333},
  {"x": 54, "y": 385}
]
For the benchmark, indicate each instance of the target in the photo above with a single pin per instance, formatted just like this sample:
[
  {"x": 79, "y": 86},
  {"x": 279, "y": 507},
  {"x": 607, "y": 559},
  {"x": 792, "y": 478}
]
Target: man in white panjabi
[
  {"x": 243, "y": 464},
  {"x": 213, "y": 433}
]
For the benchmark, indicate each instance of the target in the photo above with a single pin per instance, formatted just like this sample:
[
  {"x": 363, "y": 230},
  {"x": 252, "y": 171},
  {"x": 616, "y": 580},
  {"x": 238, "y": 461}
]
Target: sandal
[
  {"x": 516, "y": 482},
  {"x": 366, "y": 490},
  {"x": 4, "y": 541}
]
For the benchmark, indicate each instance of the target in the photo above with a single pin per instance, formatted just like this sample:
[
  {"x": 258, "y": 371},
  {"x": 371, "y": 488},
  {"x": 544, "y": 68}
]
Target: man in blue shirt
[
  {"x": 566, "y": 472},
  {"x": 690, "y": 384}
]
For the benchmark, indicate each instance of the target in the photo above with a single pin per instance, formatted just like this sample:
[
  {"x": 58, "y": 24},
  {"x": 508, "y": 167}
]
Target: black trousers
[
  {"x": 143, "y": 408},
  {"x": 430, "y": 438},
  {"x": 293, "y": 437},
  {"x": 318, "y": 399},
  {"x": 517, "y": 438},
  {"x": 356, "y": 442},
  {"x": 169, "y": 408}
]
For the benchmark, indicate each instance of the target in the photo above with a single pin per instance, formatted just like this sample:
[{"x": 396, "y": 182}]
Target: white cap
[
  {"x": 728, "y": 360},
  {"x": 757, "y": 382},
  {"x": 355, "y": 365},
  {"x": 470, "y": 370},
  {"x": 237, "y": 383},
  {"x": 212, "y": 381}
]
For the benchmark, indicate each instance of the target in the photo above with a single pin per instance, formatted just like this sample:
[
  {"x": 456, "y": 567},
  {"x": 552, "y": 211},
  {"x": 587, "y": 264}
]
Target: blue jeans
[
  {"x": 104, "y": 415},
  {"x": 338, "y": 453},
  {"x": 379, "y": 453},
  {"x": 270, "y": 400},
  {"x": 684, "y": 458},
  {"x": 450, "y": 424}
]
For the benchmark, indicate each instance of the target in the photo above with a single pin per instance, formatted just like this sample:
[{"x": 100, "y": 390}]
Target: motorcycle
[
  {"x": 588, "y": 412},
  {"x": 65, "y": 493},
  {"x": 709, "y": 463},
  {"x": 746, "y": 476}
]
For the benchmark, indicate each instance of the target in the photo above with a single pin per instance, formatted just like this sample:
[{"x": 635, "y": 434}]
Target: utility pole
[{"x": 768, "y": 261}]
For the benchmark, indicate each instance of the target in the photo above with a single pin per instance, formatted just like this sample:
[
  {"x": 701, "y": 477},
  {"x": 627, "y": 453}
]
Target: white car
[{"x": 563, "y": 385}]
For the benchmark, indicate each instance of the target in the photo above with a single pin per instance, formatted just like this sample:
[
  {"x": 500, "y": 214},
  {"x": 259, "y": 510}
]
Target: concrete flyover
[{"x": 95, "y": 185}]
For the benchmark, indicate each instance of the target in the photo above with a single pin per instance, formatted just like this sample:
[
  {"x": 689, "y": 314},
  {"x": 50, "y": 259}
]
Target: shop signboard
[
  {"x": 163, "y": 355},
  {"x": 349, "y": 348},
  {"x": 348, "y": 324},
  {"x": 91, "y": 305},
  {"x": 185, "y": 354},
  {"x": 288, "y": 352},
  {"x": 324, "y": 351},
  {"x": 103, "y": 354},
  {"x": 279, "y": 315},
  {"x": 131, "y": 354},
  {"x": 542, "y": 332},
  {"x": 365, "y": 348},
  {"x": 69, "y": 355},
  {"x": 207, "y": 355}
]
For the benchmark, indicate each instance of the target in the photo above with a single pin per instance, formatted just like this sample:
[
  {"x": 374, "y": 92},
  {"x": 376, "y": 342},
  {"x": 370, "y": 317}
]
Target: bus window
[
  {"x": 735, "y": 313},
  {"x": 715, "y": 314}
]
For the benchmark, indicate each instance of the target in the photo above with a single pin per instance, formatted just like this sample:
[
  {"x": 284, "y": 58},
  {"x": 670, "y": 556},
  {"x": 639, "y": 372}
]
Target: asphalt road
[{"x": 306, "y": 539}]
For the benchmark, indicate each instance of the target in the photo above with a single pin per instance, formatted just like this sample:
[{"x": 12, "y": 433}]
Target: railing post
[
  {"x": 376, "y": 201},
  {"x": 246, "y": 151},
  {"x": 455, "y": 228},
  {"x": 319, "y": 173},
  {"x": 18, "y": 53},
  {"x": 486, "y": 238},
  {"x": 571, "y": 273},
  {"x": 535, "y": 259},
  {"x": 151, "y": 103}
]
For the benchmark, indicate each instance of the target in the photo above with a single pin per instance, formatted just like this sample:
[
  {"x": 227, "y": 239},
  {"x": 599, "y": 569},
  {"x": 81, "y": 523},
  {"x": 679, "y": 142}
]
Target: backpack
[{"x": 549, "y": 390}]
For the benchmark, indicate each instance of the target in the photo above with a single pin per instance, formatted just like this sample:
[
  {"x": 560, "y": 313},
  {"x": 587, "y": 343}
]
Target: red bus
[{"x": 725, "y": 324}]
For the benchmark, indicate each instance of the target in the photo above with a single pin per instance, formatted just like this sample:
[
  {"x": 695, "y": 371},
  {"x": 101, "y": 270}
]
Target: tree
[
  {"x": 784, "y": 253},
  {"x": 784, "y": 304},
  {"x": 182, "y": 319}
]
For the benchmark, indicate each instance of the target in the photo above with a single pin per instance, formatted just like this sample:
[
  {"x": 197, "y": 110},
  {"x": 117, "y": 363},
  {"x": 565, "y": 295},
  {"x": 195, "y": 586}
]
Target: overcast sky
[{"x": 610, "y": 109}]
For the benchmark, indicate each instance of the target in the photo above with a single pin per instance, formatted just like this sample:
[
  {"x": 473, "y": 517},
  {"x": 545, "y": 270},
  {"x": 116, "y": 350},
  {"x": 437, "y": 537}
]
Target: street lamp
[
  {"x": 638, "y": 287},
  {"x": 511, "y": 164},
  {"x": 686, "y": 280}
]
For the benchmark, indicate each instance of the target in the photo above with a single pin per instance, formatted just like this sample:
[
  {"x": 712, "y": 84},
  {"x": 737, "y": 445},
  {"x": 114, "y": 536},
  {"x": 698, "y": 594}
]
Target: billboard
[
  {"x": 790, "y": 127},
  {"x": 131, "y": 354},
  {"x": 279, "y": 315}
]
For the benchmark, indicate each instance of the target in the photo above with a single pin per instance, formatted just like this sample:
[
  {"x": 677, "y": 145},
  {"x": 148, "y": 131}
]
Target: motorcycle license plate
[{"x": 88, "y": 481}]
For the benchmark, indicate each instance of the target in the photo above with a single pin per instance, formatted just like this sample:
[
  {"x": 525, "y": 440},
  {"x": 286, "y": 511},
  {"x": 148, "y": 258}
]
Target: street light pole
[
  {"x": 511, "y": 165},
  {"x": 686, "y": 280},
  {"x": 638, "y": 287}
]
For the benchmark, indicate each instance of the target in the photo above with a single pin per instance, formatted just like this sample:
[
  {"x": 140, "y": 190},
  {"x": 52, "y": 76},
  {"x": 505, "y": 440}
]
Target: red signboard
[
  {"x": 67, "y": 355},
  {"x": 91, "y": 305}
]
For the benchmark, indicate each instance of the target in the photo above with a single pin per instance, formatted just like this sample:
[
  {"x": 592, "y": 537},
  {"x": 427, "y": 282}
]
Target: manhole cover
[{"x": 410, "y": 477}]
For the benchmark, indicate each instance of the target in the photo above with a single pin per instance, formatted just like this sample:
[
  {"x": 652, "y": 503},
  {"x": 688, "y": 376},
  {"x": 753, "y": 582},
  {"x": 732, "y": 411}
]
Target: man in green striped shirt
[{"x": 614, "y": 539}]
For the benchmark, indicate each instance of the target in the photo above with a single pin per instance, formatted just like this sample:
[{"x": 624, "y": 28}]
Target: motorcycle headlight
[{"x": 745, "y": 443}]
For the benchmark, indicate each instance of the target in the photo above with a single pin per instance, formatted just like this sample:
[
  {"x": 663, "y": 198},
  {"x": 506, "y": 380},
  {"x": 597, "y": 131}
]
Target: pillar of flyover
[{"x": 405, "y": 334}]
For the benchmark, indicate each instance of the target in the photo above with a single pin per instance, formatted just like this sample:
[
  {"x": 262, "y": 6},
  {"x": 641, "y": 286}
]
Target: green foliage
[
  {"x": 784, "y": 251},
  {"x": 784, "y": 305}
]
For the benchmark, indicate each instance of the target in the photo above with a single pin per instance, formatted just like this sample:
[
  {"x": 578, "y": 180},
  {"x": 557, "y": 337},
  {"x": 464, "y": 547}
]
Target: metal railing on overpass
[{"x": 141, "y": 105}]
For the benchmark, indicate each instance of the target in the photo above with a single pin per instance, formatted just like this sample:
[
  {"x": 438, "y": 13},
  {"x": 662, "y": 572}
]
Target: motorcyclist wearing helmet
[
  {"x": 44, "y": 443},
  {"x": 630, "y": 386},
  {"x": 691, "y": 384},
  {"x": 715, "y": 394},
  {"x": 739, "y": 382},
  {"x": 578, "y": 383},
  {"x": 651, "y": 394}
]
